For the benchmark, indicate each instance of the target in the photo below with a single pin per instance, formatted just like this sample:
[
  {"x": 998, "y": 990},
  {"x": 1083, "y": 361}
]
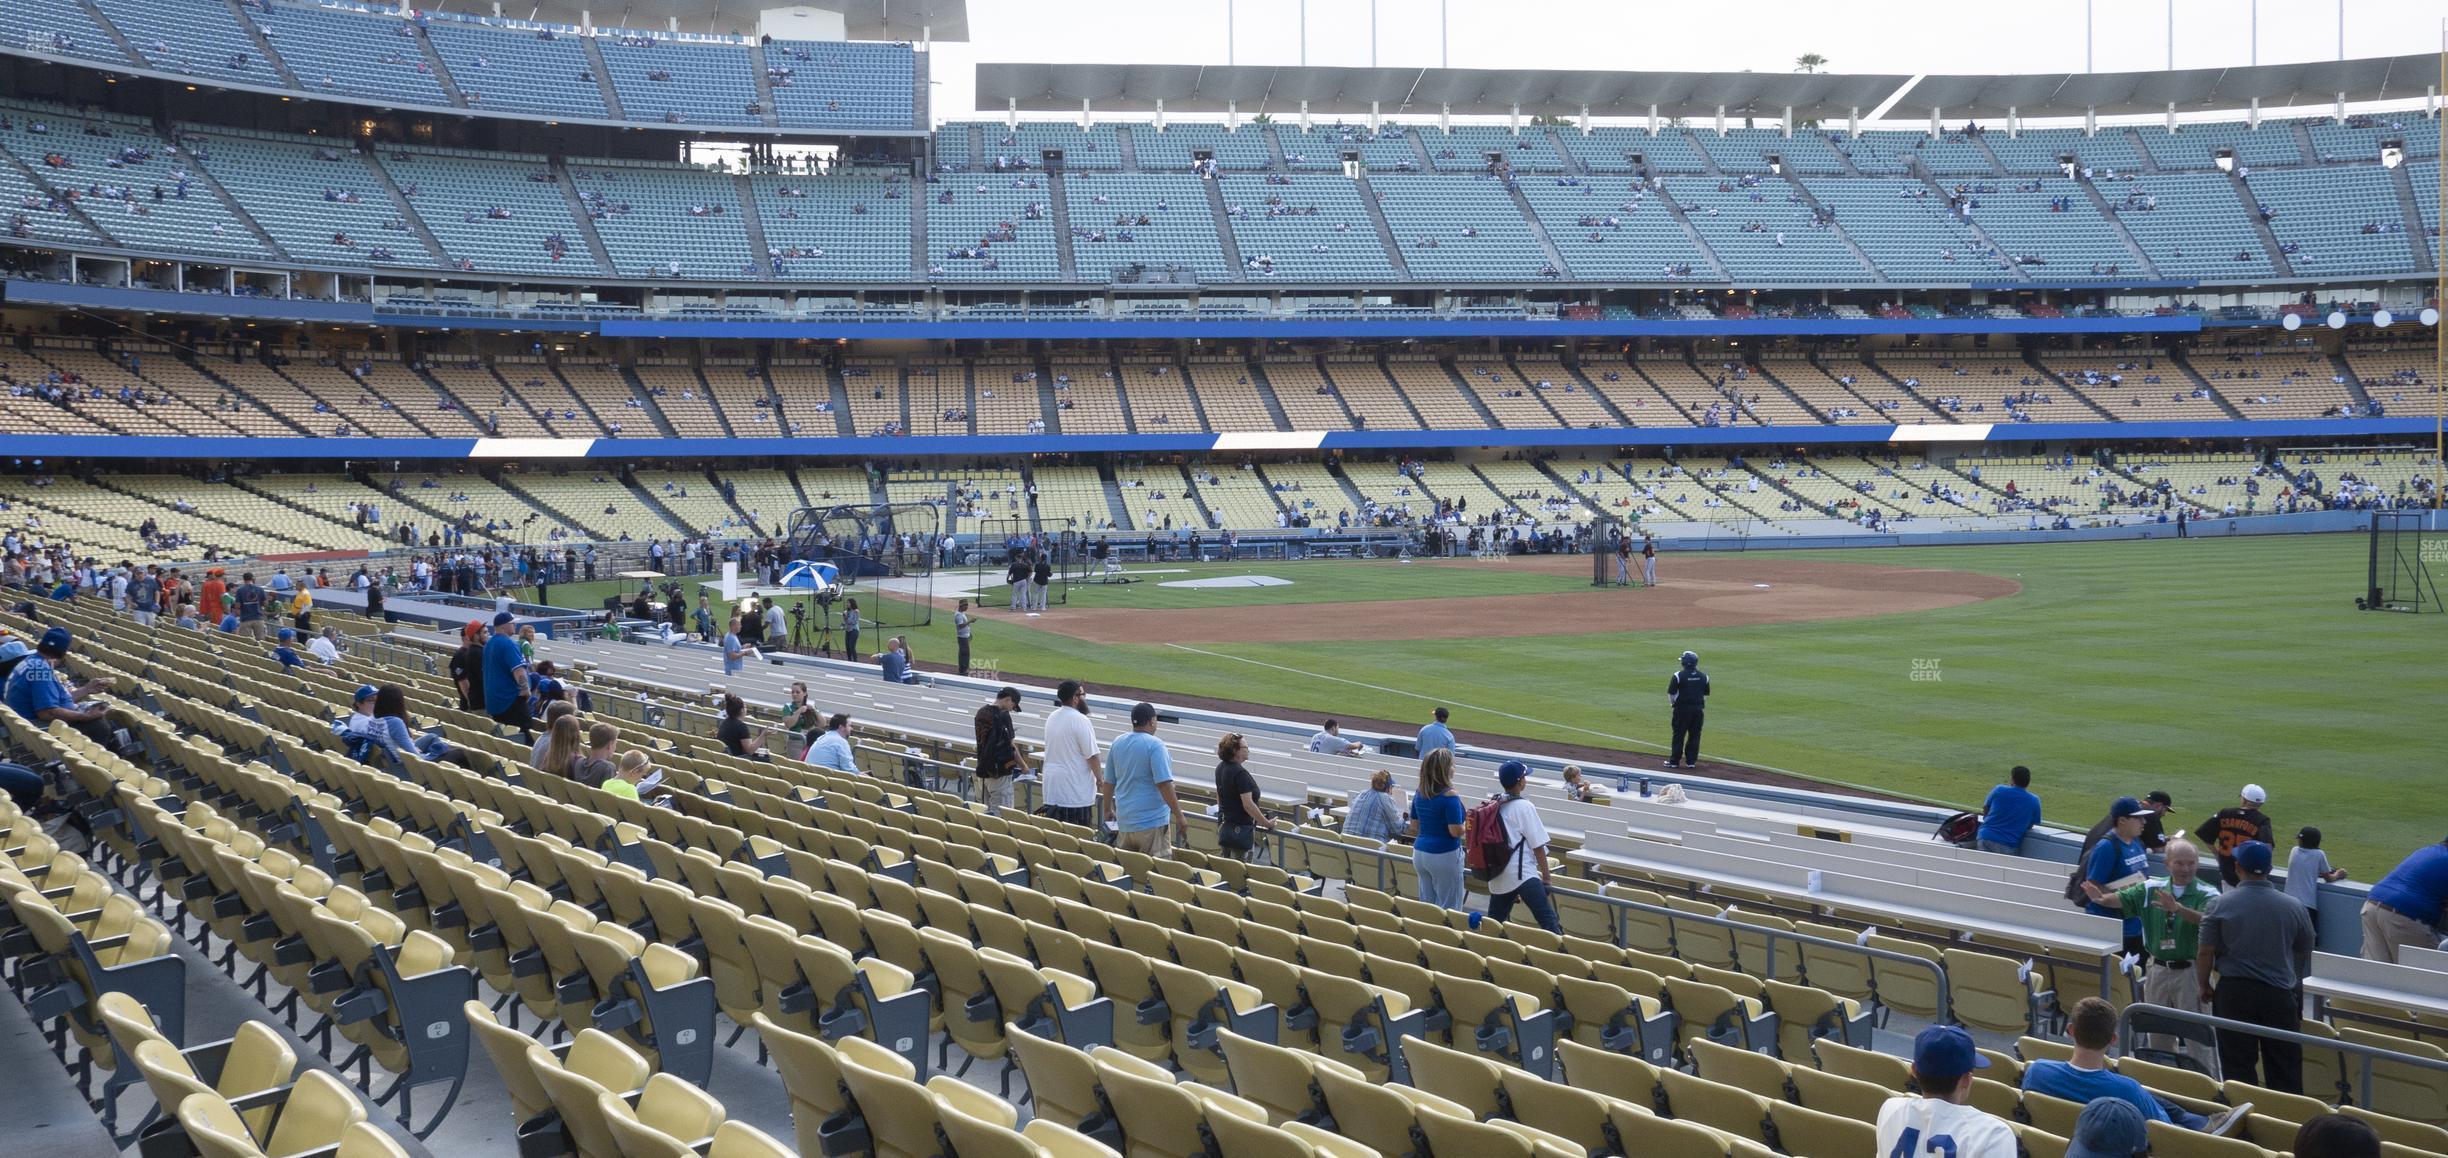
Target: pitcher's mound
[{"x": 1229, "y": 581}]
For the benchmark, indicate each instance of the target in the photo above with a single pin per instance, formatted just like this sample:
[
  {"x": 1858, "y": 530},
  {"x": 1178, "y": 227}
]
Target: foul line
[{"x": 1648, "y": 744}]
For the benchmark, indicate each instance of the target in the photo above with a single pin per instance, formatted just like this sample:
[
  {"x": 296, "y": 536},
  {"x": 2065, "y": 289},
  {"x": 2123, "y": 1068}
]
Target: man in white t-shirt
[
  {"x": 1523, "y": 878},
  {"x": 1071, "y": 766},
  {"x": 1942, "y": 1124},
  {"x": 326, "y": 647}
]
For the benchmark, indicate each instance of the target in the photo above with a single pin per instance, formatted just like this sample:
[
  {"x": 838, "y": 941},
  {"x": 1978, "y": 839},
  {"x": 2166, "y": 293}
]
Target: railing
[
  {"x": 2142, "y": 1018},
  {"x": 385, "y": 654},
  {"x": 1621, "y": 908}
]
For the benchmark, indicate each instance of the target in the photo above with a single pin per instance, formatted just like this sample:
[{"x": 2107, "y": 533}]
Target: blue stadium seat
[
  {"x": 1336, "y": 243},
  {"x": 357, "y": 54},
  {"x": 1180, "y": 228},
  {"x": 1643, "y": 241},
  {"x": 823, "y": 212},
  {"x": 1431, "y": 214},
  {"x": 304, "y": 190},
  {"x": 193, "y": 38},
  {"x": 1174, "y": 146},
  {"x": 518, "y": 71},
  {"x": 844, "y": 84}
]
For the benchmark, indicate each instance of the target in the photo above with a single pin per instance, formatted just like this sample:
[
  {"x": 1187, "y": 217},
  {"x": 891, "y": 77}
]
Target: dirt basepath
[{"x": 1693, "y": 591}]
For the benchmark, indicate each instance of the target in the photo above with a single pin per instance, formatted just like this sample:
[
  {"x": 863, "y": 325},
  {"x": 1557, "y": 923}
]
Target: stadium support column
[
  {"x": 2252, "y": 113},
  {"x": 1653, "y": 118},
  {"x": 1789, "y": 122},
  {"x": 1853, "y": 123},
  {"x": 1584, "y": 121}
]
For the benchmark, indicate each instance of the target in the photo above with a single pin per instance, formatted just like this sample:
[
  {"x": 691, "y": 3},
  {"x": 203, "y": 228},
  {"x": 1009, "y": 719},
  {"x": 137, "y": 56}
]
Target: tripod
[{"x": 824, "y": 630}]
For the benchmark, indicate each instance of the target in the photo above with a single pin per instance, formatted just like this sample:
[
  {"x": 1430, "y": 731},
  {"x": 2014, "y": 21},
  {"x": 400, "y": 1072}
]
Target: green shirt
[
  {"x": 2168, "y": 936},
  {"x": 619, "y": 787}
]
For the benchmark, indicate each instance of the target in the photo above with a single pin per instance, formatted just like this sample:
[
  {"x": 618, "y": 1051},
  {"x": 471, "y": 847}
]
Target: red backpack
[{"x": 1485, "y": 851}]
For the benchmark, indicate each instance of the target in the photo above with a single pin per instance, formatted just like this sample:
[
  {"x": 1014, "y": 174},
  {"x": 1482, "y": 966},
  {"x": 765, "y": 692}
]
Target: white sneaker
[{"x": 2228, "y": 1122}]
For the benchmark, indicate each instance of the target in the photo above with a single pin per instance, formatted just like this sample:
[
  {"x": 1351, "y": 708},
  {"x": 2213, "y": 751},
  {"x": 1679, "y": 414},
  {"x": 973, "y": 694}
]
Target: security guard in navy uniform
[{"x": 1687, "y": 690}]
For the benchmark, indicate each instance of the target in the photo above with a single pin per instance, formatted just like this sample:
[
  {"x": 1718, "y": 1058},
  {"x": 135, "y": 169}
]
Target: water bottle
[{"x": 1644, "y": 787}]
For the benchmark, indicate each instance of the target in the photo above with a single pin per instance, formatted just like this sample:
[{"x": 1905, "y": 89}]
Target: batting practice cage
[
  {"x": 887, "y": 555},
  {"x": 2405, "y": 547},
  {"x": 1000, "y": 539}
]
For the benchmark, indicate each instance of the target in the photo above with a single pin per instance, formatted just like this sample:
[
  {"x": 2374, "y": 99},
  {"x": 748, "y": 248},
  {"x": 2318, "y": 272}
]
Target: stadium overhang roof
[
  {"x": 910, "y": 20},
  {"x": 1193, "y": 88},
  {"x": 2190, "y": 89},
  {"x": 1333, "y": 91}
]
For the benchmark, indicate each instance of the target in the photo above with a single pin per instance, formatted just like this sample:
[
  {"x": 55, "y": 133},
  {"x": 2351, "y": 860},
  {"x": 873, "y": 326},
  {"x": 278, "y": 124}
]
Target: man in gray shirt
[
  {"x": 2258, "y": 941},
  {"x": 1330, "y": 741}
]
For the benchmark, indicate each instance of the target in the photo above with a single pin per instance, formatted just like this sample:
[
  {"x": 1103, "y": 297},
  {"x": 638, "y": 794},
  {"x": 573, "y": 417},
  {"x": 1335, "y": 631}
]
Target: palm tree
[{"x": 1809, "y": 62}]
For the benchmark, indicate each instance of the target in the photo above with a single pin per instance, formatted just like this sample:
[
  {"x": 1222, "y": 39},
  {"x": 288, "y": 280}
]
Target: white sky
[{"x": 1874, "y": 36}]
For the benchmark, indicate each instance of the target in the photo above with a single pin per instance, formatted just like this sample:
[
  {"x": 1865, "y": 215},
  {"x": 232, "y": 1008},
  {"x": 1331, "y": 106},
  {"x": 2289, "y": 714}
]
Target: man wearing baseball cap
[
  {"x": 1137, "y": 789},
  {"x": 2257, "y": 941},
  {"x": 1522, "y": 877},
  {"x": 2109, "y": 1128},
  {"x": 1942, "y": 1123},
  {"x": 2231, "y": 827},
  {"x": 36, "y": 691},
  {"x": 2116, "y": 861},
  {"x": 505, "y": 678}
]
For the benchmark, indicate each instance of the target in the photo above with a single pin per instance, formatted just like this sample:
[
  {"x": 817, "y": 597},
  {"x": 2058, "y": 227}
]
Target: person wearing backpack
[
  {"x": 999, "y": 759},
  {"x": 1509, "y": 847}
]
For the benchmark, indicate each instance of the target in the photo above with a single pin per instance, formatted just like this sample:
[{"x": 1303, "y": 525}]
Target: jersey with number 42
[{"x": 1930, "y": 1128}]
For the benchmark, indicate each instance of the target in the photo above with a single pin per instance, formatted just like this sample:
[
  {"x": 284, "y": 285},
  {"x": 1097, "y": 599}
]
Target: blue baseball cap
[
  {"x": 15, "y": 649},
  {"x": 1512, "y": 772},
  {"x": 2126, "y": 806},
  {"x": 2253, "y": 856},
  {"x": 1943, "y": 1053},
  {"x": 501, "y": 618},
  {"x": 287, "y": 634},
  {"x": 365, "y": 692},
  {"x": 2108, "y": 1128},
  {"x": 57, "y": 639}
]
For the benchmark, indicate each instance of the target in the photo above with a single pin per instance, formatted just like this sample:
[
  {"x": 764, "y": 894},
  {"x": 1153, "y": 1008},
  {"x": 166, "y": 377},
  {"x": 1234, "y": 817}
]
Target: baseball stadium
[{"x": 957, "y": 579}]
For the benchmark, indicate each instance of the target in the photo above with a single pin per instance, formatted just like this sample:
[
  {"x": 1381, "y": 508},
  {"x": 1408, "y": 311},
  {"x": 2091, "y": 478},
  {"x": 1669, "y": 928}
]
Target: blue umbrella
[{"x": 811, "y": 576}]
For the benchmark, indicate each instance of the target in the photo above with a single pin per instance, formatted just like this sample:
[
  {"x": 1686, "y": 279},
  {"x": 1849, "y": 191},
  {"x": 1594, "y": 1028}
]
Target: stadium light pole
[
  {"x": 2439, "y": 298},
  {"x": 2086, "y": 35}
]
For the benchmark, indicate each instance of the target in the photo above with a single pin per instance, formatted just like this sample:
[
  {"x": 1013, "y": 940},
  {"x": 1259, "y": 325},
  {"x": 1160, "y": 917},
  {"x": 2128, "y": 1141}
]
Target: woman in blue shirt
[{"x": 1436, "y": 831}]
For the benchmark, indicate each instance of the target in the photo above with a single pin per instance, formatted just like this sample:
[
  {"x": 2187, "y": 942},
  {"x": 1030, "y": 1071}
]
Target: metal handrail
[
  {"x": 1622, "y": 906},
  {"x": 2369, "y": 1053}
]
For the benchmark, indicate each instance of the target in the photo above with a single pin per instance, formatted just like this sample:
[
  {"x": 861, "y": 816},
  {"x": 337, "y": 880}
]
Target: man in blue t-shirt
[
  {"x": 2117, "y": 860},
  {"x": 2086, "y": 1076},
  {"x": 505, "y": 678},
  {"x": 38, "y": 692},
  {"x": 1137, "y": 787},
  {"x": 249, "y": 601},
  {"x": 2009, "y": 814},
  {"x": 2407, "y": 906},
  {"x": 1436, "y": 735}
]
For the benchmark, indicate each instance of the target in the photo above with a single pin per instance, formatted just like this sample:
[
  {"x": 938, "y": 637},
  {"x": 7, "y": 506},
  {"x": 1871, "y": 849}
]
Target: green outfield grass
[{"x": 2192, "y": 666}]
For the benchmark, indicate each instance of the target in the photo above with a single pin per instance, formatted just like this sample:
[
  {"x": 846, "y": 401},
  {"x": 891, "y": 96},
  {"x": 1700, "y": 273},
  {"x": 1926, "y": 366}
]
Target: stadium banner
[{"x": 122, "y": 446}]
